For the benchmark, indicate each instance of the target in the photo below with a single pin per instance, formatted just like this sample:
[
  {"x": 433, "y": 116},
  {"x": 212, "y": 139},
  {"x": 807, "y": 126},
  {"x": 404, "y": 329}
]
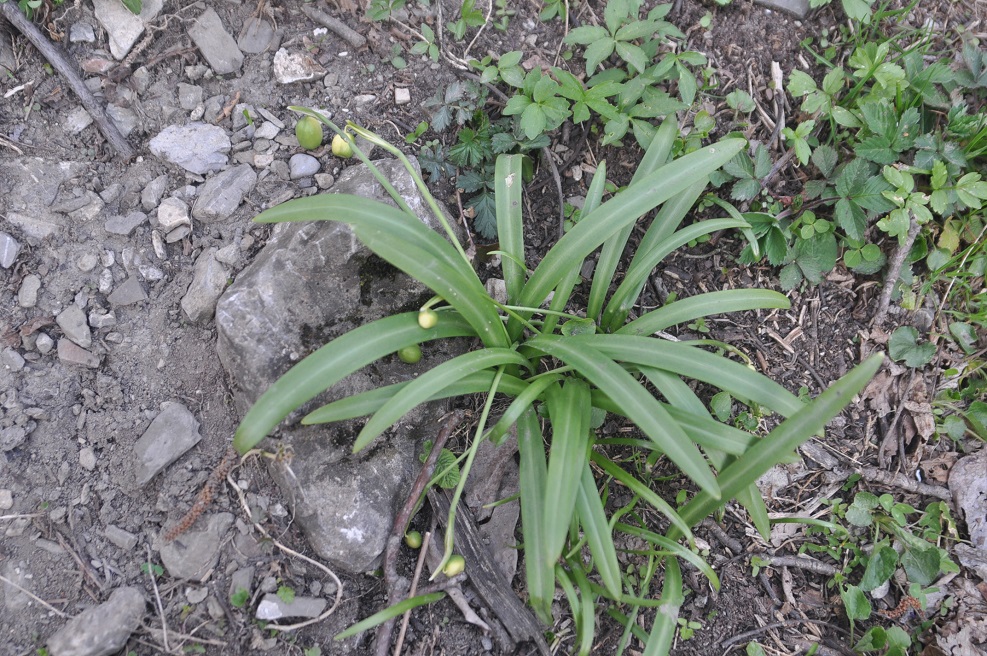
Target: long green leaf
[
  {"x": 638, "y": 405},
  {"x": 563, "y": 291},
  {"x": 693, "y": 362},
  {"x": 589, "y": 507},
  {"x": 569, "y": 410},
  {"x": 333, "y": 362},
  {"x": 666, "y": 619},
  {"x": 673, "y": 548},
  {"x": 704, "y": 305},
  {"x": 664, "y": 224},
  {"x": 510, "y": 232},
  {"x": 613, "y": 249},
  {"x": 369, "y": 402},
  {"x": 539, "y": 573},
  {"x": 396, "y": 610},
  {"x": 587, "y": 610},
  {"x": 465, "y": 293},
  {"x": 628, "y": 480},
  {"x": 517, "y": 407},
  {"x": 625, "y": 296},
  {"x": 419, "y": 390},
  {"x": 408, "y": 244},
  {"x": 621, "y": 211},
  {"x": 784, "y": 439}
]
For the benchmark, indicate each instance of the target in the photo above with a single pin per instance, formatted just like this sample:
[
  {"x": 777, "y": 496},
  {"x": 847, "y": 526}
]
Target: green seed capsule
[
  {"x": 413, "y": 539},
  {"x": 410, "y": 354},
  {"x": 341, "y": 147},
  {"x": 428, "y": 318},
  {"x": 456, "y": 565}
]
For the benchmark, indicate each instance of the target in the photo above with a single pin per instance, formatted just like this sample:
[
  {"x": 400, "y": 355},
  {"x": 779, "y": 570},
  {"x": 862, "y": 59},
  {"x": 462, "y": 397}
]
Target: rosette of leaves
[{"x": 548, "y": 366}]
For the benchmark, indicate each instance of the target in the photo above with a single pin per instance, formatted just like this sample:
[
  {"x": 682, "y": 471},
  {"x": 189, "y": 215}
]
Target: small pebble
[
  {"x": 44, "y": 343},
  {"x": 9, "y": 248},
  {"x": 11, "y": 359},
  {"x": 6, "y": 499},
  {"x": 27, "y": 295},
  {"x": 302, "y": 166},
  {"x": 87, "y": 458}
]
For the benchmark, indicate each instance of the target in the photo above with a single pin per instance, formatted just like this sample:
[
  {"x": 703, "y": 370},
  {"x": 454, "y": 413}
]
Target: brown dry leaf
[{"x": 877, "y": 393}]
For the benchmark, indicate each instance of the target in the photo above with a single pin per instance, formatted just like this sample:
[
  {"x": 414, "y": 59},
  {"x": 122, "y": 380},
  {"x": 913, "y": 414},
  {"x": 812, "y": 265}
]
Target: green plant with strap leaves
[{"x": 563, "y": 367}]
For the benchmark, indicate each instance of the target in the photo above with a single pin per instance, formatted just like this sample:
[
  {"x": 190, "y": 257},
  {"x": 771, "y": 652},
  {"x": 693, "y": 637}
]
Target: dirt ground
[{"x": 74, "y": 522}]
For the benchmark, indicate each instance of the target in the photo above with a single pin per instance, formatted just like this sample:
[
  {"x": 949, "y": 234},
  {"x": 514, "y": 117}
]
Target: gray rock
[
  {"x": 222, "y": 194},
  {"x": 11, "y": 359},
  {"x": 968, "y": 486},
  {"x": 797, "y": 8},
  {"x": 173, "y": 432},
  {"x": 124, "y": 225},
  {"x": 123, "y": 27},
  {"x": 189, "y": 96},
  {"x": 77, "y": 120},
  {"x": 87, "y": 458},
  {"x": 303, "y": 166},
  {"x": 255, "y": 36},
  {"x": 123, "y": 117},
  {"x": 71, "y": 353},
  {"x": 27, "y": 295},
  {"x": 129, "y": 292},
  {"x": 229, "y": 254},
  {"x": 295, "y": 67},
  {"x": 267, "y": 130},
  {"x": 196, "y": 147},
  {"x": 152, "y": 193},
  {"x": 242, "y": 579},
  {"x": 208, "y": 283},
  {"x": 102, "y": 320},
  {"x": 215, "y": 43},
  {"x": 44, "y": 343},
  {"x": 72, "y": 321},
  {"x": 121, "y": 538},
  {"x": 273, "y": 607},
  {"x": 312, "y": 281},
  {"x": 12, "y": 437},
  {"x": 196, "y": 552},
  {"x": 9, "y": 248},
  {"x": 81, "y": 33},
  {"x": 102, "y": 630},
  {"x": 172, "y": 212}
]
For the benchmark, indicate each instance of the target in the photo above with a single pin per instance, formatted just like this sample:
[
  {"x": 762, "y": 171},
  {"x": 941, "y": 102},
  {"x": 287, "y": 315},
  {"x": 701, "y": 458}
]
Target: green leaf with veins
[{"x": 905, "y": 345}]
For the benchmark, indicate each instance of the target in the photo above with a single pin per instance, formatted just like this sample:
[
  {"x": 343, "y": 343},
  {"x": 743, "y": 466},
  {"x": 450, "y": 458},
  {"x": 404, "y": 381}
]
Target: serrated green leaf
[
  {"x": 825, "y": 159},
  {"x": 800, "y": 84}
]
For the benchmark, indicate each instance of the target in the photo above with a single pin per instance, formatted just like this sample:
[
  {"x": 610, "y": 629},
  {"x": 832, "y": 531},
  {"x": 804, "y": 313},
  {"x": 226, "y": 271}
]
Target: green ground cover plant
[{"x": 563, "y": 369}]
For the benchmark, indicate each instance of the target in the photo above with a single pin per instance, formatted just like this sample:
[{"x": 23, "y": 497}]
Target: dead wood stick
[
  {"x": 68, "y": 70},
  {"x": 894, "y": 271},
  {"x": 394, "y": 593},
  {"x": 485, "y": 575},
  {"x": 338, "y": 27}
]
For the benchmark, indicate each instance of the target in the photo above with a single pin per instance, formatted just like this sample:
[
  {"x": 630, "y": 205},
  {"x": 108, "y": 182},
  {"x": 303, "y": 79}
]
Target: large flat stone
[
  {"x": 215, "y": 43},
  {"x": 223, "y": 193},
  {"x": 102, "y": 630},
  {"x": 311, "y": 283},
  {"x": 196, "y": 147},
  {"x": 173, "y": 432},
  {"x": 122, "y": 26}
]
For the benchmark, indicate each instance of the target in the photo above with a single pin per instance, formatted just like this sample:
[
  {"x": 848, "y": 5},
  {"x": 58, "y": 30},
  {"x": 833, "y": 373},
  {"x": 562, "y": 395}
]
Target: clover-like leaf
[{"x": 905, "y": 345}]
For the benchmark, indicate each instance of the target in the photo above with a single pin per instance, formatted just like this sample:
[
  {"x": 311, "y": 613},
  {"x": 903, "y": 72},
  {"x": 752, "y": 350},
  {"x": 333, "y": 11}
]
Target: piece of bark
[
  {"x": 486, "y": 578},
  {"x": 341, "y": 29},
  {"x": 70, "y": 71}
]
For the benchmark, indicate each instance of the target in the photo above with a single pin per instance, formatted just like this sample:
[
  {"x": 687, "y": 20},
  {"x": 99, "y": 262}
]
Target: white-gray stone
[
  {"x": 173, "y": 212},
  {"x": 402, "y": 96},
  {"x": 11, "y": 359},
  {"x": 229, "y": 254},
  {"x": 267, "y": 130},
  {"x": 102, "y": 630},
  {"x": 121, "y": 538},
  {"x": 152, "y": 193},
  {"x": 302, "y": 166},
  {"x": 87, "y": 458},
  {"x": 215, "y": 43},
  {"x": 27, "y": 295},
  {"x": 130, "y": 291},
  {"x": 314, "y": 274},
  {"x": 124, "y": 225},
  {"x": 208, "y": 282},
  {"x": 82, "y": 32},
  {"x": 196, "y": 147},
  {"x": 797, "y": 8},
  {"x": 102, "y": 320},
  {"x": 273, "y": 607},
  {"x": 189, "y": 96},
  {"x": 72, "y": 321},
  {"x": 123, "y": 27},
  {"x": 223, "y": 193},
  {"x": 123, "y": 117},
  {"x": 173, "y": 432},
  {"x": 12, "y": 437},
  {"x": 71, "y": 353},
  {"x": 255, "y": 36},
  {"x": 196, "y": 552},
  {"x": 7, "y": 500},
  {"x": 44, "y": 343},
  {"x": 295, "y": 67},
  {"x": 9, "y": 248},
  {"x": 77, "y": 120}
]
